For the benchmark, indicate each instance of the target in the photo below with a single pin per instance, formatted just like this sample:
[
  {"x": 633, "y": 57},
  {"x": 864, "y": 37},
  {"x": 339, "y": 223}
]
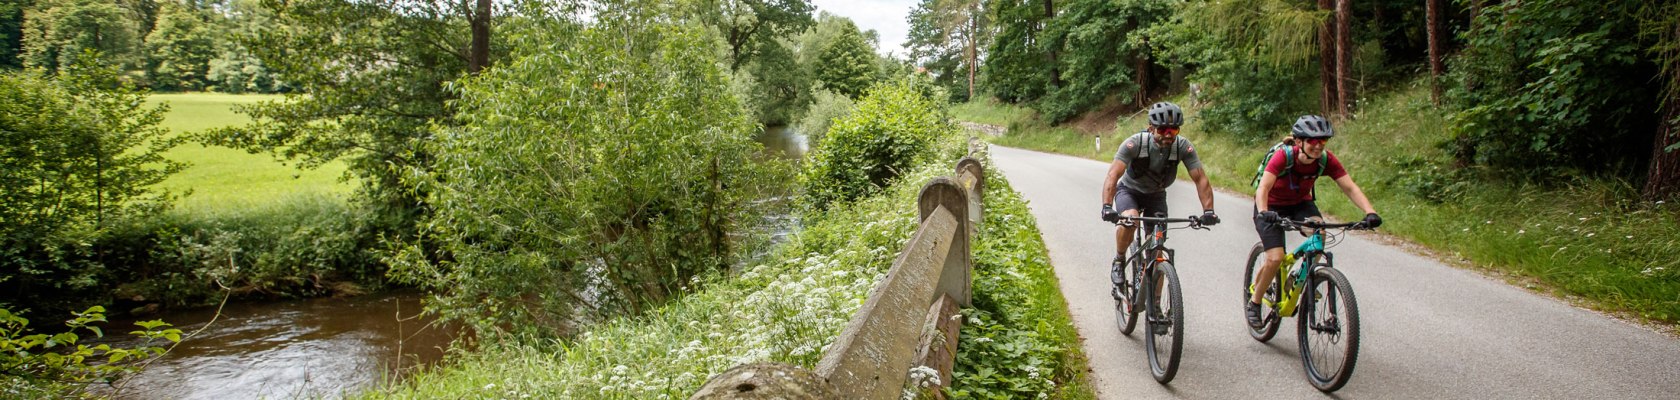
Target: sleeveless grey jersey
[{"x": 1151, "y": 168}]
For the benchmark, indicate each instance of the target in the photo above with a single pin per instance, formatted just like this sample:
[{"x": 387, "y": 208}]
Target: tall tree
[
  {"x": 749, "y": 25},
  {"x": 945, "y": 29},
  {"x": 180, "y": 48},
  {"x": 372, "y": 79},
  {"x": 1020, "y": 62},
  {"x": 847, "y": 65},
  {"x": 57, "y": 32}
]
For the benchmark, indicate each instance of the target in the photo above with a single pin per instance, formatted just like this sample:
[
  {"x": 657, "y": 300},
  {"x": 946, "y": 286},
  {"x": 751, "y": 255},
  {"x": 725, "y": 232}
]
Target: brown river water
[{"x": 315, "y": 348}]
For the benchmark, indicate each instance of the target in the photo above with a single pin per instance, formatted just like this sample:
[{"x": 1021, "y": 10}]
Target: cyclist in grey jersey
[{"x": 1144, "y": 166}]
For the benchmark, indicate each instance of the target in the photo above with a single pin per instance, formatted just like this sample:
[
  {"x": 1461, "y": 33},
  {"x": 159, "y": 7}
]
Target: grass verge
[
  {"x": 789, "y": 307},
  {"x": 221, "y": 179},
  {"x": 1586, "y": 239}
]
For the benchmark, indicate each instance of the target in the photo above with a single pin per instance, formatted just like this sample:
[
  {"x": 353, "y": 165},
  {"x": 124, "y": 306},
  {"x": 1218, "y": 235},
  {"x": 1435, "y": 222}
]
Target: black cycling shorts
[
  {"x": 1147, "y": 204},
  {"x": 1271, "y": 235}
]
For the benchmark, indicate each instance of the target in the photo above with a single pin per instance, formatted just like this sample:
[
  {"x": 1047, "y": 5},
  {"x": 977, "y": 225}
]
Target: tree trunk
[
  {"x": 1662, "y": 180},
  {"x": 1436, "y": 69},
  {"x": 973, "y": 50},
  {"x": 1663, "y": 177},
  {"x": 1327, "y": 63},
  {"x": 1143, "y": 75},
  {"x": 479, "y": 57},
  {"x": 1344, "y": 55},
  {"x": 1055, "y": 70}
]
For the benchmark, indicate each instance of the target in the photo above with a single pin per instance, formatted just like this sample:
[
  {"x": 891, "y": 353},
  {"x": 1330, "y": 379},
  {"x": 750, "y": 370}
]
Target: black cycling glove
[
  {"x": 1209, "y": 218},
  {"x": 1108, "y": 213},
  {"x": 1372, "y": 220},
  {"x": 1269, "y": 216}
]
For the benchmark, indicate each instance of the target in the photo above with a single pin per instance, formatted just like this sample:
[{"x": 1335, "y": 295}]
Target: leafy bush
[
  {"x": 39, "y": 365},
  {"x": 893, "y": 128},
  {"x": 828, "y": 107},
  {"x": 596, "y": 172},
  {"x": 78, "y": 154},
  {"x": 1539, "y": 88}
]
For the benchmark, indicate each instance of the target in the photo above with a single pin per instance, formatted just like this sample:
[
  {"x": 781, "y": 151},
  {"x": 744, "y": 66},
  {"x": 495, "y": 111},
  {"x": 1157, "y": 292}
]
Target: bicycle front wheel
[
  {"x": 1165, "y": 320},
  {"x": 1270, "y": 320},
  {"x": 1328, "y": 324}
]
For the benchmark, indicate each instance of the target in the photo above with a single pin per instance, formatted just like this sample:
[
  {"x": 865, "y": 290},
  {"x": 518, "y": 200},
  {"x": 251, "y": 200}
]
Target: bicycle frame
[{"x": 1308, "y": 251}]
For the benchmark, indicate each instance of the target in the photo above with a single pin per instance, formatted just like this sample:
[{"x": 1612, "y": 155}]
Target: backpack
[{"x": 1288, "y": 146}]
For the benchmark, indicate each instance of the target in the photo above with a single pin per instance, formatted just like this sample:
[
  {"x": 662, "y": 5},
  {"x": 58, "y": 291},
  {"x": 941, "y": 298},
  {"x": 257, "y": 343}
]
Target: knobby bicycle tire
[
  {"x": 1269, "y": 326},
  {"x": 1125, "y": 309},
  {"x": 1163, "y": 369},
  {"x": 1328, "y": 303}
]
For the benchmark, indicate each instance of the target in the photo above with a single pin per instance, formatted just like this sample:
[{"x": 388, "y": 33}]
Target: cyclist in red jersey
[{"x": 1286, "y": 191}]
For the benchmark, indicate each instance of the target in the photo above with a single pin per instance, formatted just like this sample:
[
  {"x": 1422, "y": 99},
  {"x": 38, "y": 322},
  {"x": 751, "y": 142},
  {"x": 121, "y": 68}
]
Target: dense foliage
[
  {"x": 57, "y": 33},
  {"x": 598, "y": 172},
  {"x": 1540, "y": 86},
  {"x": 79, "y": 153},
  {"x": 890, "y": 129}
]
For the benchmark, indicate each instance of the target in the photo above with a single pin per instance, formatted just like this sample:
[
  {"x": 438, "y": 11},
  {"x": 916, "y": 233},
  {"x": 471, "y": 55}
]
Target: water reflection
[
  {"x": 783, "y": 141},
  {"x": 294, "y": 349}
]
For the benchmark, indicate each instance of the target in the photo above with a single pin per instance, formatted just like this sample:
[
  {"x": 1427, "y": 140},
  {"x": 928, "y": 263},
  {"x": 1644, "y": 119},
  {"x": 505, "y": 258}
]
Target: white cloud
[{"x": 886, "y": 17}]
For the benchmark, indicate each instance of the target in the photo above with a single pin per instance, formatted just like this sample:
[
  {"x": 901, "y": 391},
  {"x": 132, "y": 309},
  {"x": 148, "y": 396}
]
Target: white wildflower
[
  {"x": 489, "y": 386},
  {"x": 1590, "y": 234},
  {"x": 1520, "y": 231},
  {"x": 620, "y": 370}
]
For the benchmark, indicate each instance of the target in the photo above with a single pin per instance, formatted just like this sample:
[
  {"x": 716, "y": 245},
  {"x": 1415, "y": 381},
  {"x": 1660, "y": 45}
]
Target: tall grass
[
  {"x": 221, "y": 179},
  {"x": 1586, "y": 237}
]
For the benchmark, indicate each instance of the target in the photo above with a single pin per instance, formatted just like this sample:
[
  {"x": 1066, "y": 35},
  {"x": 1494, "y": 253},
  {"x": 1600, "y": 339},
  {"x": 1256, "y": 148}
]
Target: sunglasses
[
  {"x": 1315, "y": 141},
  {"x": 1167, "y": 131}
]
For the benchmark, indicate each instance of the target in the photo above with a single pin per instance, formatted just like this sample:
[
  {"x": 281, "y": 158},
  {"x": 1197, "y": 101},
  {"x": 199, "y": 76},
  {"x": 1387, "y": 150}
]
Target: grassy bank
[
  {"x": 1584, "y": 239},
  {"x": 229, "y": 180},
  {"x": 789, "y": 306}
]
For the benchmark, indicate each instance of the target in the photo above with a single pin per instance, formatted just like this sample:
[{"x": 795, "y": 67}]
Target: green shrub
[
  {"x": 891, "y": 129},
  {"x": 300, "y": 247},
  {"x": 596, "y": 172},
  {"x": 39, "y": 365},
  {"x": 1541, "y": 89},
  {"x": 78, "y": 155},
  {"x": 828, "y": 107}
]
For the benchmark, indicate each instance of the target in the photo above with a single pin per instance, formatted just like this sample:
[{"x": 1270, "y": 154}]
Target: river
[{"x": 315, "y": 348}]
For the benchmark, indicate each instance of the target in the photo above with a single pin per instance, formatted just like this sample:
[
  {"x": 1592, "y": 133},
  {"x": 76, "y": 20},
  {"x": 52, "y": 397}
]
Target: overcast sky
[{"x": 886, "y": 17}]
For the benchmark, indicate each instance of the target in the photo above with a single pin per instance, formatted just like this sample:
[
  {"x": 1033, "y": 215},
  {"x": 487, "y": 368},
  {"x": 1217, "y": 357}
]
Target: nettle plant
[{"x": 44, "y": 365}]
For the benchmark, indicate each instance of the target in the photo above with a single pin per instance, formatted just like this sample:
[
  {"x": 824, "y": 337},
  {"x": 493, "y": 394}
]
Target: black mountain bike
[
  {"x": 1321, "y": 298},
  {"x": 1146, "y": 280}
]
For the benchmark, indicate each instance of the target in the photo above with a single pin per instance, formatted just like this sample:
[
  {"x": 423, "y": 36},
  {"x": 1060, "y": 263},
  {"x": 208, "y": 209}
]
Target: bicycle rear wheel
[
  {"x": 1269, "y": 326},
  {"x": 1329, "y": 329},
  {"x": 1165, "y": 342},
  {"x": 1125, "y": 305}
]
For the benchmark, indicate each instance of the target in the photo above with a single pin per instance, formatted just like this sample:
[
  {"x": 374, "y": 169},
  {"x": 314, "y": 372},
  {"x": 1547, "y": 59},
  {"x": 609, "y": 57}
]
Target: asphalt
[{"x": 1429, "y": 330}]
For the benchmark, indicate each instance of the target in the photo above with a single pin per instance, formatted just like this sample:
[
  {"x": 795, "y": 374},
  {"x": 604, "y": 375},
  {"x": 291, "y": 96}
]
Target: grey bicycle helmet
[
  {"x": 1312, "y": 126},
  {"x": 1166, "y": 114}
]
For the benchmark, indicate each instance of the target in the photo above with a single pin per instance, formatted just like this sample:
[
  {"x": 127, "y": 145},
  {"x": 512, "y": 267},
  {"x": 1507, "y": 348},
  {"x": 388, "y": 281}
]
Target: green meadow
[{"x": 221, "y": 179}]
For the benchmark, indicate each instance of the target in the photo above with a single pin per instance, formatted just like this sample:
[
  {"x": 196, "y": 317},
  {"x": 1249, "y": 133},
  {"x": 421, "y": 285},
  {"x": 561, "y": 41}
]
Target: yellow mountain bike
[{"x": 1319, "y": 295}]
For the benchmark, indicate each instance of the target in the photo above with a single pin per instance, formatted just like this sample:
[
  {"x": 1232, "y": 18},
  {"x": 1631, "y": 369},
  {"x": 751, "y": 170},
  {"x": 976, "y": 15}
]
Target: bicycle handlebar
[
  {"x": 1291, "y": 224},
  {"x": 1195, "y": 221}
]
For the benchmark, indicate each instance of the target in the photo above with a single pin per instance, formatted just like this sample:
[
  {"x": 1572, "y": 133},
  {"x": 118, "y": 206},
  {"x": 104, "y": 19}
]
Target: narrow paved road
[{"x": 1429, "y": 330}]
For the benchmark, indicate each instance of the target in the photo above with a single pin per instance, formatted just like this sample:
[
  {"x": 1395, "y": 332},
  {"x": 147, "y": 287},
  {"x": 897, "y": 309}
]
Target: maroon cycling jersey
[{"x": 1296, "y": 187}]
